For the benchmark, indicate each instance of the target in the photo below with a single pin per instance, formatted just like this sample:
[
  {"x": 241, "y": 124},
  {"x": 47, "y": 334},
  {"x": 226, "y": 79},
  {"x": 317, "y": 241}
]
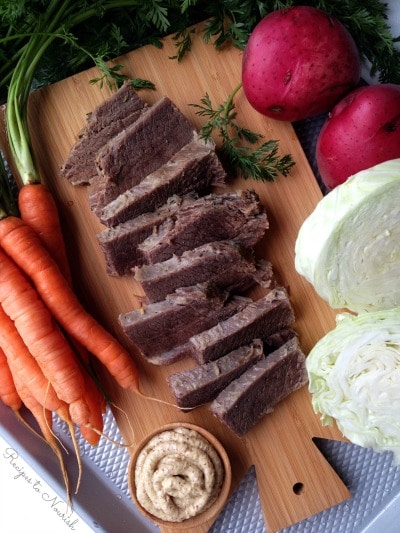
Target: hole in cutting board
[{"x": 298, "y": 488}]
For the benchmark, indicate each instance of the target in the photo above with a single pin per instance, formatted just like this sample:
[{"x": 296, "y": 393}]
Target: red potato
[
  {"x": 362, "y": 130},
  {"x": 299, "y": 62}
]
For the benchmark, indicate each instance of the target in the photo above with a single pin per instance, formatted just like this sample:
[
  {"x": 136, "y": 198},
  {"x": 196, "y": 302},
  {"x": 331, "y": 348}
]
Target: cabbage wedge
[
  {"x": 349, "y": 246},
  {"x": 354, "y": 378}
]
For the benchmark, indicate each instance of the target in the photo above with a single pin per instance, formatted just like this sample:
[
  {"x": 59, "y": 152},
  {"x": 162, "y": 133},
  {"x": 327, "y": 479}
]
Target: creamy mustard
[{"x": 178, "y": 474}]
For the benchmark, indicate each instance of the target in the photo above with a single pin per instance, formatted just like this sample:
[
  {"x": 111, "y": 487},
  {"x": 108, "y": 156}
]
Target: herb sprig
[{"x": 261, "y": 162}]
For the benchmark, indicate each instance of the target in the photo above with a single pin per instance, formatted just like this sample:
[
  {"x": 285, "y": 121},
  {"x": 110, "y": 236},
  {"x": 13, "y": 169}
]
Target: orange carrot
[
  {"x": 44, "y": 420},
  {"x": 96, "y": 403},
  {"x": 8, "y": 393},
  {"x": 24, "y": 246},
  {"x": 39, "y": 210},
  {"x": 25, "y": 365},
  {"x": 42, "y": 416},
  {"x": 16, "y": 354},
  {"x": 43, "y": 338}
]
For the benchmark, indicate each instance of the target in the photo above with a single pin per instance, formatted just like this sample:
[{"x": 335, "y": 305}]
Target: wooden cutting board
[{"x": 294, "y": 479}]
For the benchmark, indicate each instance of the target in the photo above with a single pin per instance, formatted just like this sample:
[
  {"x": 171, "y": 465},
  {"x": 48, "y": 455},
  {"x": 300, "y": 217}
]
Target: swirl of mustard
[{"x": 178, "y": 475}]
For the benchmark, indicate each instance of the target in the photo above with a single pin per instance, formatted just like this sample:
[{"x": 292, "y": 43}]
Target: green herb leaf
[
  {"x": 261, "y": 162},
  {"x": 183, "y": 41}
]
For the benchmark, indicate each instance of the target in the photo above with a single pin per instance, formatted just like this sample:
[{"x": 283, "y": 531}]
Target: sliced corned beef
[
  {"x": 260, "y": 318},
  {"x": 256, "y": 392},
  {"x": 201, "y": 384},
  {"x": 165, "y": 326},
  {"x": 195, "y": 167},
  {"x": 223, "y": 263},
  {"x": 107, "y": 119},
  {"x": 276, "y": 340},
  {"x": 138, "y": 150},
  {"x": 237, "y": 216},
  {"x": 119, "y": 244}
]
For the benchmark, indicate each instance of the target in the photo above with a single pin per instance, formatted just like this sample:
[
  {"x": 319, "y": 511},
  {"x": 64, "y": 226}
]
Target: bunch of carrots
[{"x": 46, "y": 336}]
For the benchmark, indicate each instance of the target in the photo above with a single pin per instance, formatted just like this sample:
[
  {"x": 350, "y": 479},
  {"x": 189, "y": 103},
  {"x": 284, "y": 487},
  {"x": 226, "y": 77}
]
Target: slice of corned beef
[
  {"x": 232, "y": 306},
  {"x": 223, "y": 263},
  {"x": 258, "y": 319},
  {"x": 256, "y": 392},
  {"x": 119, "y": 244},
  {"x": 138, "y": 150},
  {"x": 276, "y": 340},
  {"x": 107, "y": 119},
  {"x": 202, "y": 384},
  {"x": 195, "y": 167},
  {"x": 160, "y": 330},
  {"x": 237, "y": 216}
]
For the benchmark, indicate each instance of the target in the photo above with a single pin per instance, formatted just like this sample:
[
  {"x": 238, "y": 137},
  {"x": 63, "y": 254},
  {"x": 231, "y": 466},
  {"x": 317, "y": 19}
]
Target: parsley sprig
[{"x": 261, "y": 162}]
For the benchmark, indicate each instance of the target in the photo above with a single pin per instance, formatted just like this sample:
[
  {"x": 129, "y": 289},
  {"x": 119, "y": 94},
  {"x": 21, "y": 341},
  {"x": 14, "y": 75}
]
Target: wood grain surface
[{"x": 294, "y": 479}]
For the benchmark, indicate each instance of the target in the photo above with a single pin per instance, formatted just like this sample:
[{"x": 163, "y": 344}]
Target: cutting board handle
[{"x": 294, "y": 478}]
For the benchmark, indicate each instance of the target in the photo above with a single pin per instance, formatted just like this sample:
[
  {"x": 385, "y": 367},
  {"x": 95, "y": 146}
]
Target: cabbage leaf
[
  {"x": 354, "y": 379},
  {"x": 349, "y": 246}
]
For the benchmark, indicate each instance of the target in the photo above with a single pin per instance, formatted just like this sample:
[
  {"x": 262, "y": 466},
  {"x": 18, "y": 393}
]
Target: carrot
[
  {"x": 18, "y": 356},
  {"x": 43, "y": 338},
  {"x": 31, "y": 385},
  {"x": 38, "y": 209},
  {"x": 96, "y": 402},
  {"x": 24, "y": 246},
  {"x": 44, "y": 420},
  {"x": 42, "y": 416},
  {"x": 8, "y": 393}
]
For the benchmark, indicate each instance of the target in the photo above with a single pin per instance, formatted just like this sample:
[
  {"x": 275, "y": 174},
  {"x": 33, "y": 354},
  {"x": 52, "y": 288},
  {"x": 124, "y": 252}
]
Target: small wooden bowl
[{"x": 209, "y": 513}]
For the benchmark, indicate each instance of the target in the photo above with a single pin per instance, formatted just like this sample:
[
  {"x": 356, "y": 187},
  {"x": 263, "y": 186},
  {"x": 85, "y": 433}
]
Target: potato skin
[
  {"x": 362, "y": 130},
  {"x": 298, "y": 62}
]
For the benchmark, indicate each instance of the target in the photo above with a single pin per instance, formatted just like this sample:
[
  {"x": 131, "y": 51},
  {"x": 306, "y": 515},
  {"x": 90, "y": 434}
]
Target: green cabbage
[
  {"x": 349, "y": 247},
  {"x": 354, "y": 378}
]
